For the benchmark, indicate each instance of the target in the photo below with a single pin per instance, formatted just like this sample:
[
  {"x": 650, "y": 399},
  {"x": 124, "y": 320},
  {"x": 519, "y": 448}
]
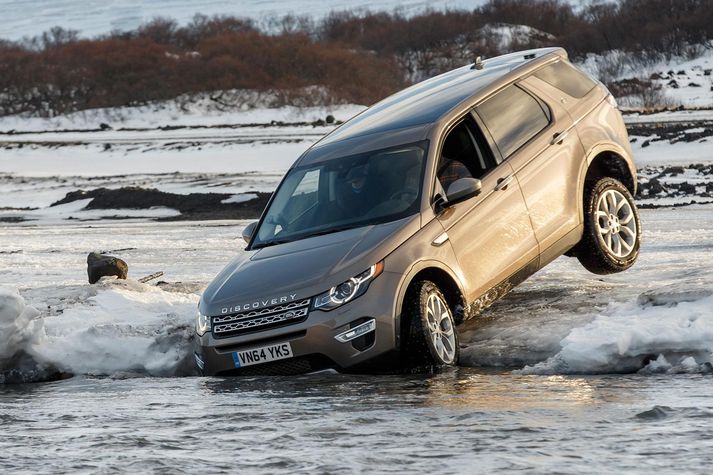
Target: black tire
[
  {"x": 593, "y": 251},
  {"x": 420, "y": 351}
]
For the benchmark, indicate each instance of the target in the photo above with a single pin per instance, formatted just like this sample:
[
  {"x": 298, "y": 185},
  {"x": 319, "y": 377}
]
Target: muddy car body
[{"x": 479, "y": 177}]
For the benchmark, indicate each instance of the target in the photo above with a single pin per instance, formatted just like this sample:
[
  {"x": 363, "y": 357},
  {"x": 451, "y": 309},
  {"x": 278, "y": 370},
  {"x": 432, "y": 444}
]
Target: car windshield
[{"x": 342, "y": 193}]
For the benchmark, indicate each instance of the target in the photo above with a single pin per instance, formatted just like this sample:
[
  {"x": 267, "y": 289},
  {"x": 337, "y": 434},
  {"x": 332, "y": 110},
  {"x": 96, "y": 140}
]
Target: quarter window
[
  {"x": 566, "y": 78},
  {"x": 513, "y": 117}
]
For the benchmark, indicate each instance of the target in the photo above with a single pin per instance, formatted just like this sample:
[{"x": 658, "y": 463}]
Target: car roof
[{"x": 426, "y": 102}]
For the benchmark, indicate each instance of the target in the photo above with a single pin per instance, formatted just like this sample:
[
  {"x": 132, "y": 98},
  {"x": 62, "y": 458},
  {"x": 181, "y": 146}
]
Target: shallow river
[
  {"x": 571, "y": 373},
  {"x": 460, "y": 421}
]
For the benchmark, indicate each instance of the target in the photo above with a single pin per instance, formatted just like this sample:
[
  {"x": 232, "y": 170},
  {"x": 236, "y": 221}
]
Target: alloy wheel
[
  {"x": 616, "y": 223},
  {"x": 440, "y": 326}
]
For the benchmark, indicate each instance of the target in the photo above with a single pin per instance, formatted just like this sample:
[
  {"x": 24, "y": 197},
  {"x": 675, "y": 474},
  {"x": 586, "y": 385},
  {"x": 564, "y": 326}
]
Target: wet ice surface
[{"x": 528, "y": 397}]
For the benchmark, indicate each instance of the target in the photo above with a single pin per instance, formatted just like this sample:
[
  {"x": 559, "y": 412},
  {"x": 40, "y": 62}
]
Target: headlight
[
  {"x": 349, "y": 290},
  {"x": 202, "y": 323}
]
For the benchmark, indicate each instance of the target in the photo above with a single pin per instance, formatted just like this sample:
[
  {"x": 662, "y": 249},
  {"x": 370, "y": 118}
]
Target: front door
[{"x": 490, "y": 233}]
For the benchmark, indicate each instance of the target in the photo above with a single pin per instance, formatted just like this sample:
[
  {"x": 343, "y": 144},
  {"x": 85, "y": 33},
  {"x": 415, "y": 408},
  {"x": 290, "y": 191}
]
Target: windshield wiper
[
  {"x": 332, "y": 230},
  {"x": 309, "y": 235}
]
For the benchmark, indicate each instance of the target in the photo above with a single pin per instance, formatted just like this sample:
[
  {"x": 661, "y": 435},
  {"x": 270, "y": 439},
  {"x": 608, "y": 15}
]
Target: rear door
[
  {"x": 490, "y": 233},
  {"x": 540, "y": 144}
]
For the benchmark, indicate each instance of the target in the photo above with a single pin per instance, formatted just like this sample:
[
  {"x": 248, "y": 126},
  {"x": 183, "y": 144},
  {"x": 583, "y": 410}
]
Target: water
[
  {"x": 459, "y": 421},
  {"x": 571, "y": 373}
]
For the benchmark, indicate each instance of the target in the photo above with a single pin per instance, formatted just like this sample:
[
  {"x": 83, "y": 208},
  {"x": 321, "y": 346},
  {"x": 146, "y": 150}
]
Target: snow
[
  {"x": 669, "y": 116},
  {"x": 19, "y": 325},
  {"x": 694, "y": 85},
  {"x": 94, "y": 17},
  {"x": 665, "y": 153},
  {"x": 75, "y": 211},
  {"x": 245, "y": 107},
  {"x": 627, "y": 334},
  {"x": 114, "y": 327},
  {"x": 126, "y": 326},
  {"x": 240, "y": 198}
]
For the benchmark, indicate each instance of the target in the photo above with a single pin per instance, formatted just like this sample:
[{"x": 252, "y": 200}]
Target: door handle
[
  {"x": 503, "y": 183},
  {"x": 559, "y": 137}
]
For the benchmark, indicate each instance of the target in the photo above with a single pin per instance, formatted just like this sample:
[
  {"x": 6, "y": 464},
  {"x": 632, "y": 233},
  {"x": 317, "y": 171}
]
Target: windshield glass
[{"x": 347, "y": 192}]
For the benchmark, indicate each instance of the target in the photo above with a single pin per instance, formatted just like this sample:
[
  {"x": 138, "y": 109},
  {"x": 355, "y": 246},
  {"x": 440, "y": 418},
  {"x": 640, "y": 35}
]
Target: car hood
[{"x": 301, "y": 269}]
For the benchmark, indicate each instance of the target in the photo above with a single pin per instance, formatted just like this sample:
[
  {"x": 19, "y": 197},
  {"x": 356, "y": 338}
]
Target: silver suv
[{"x": 419, "y": 213}]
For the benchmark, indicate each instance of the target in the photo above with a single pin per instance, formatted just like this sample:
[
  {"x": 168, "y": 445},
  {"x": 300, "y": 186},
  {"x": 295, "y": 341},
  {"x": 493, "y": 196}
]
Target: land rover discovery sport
[{"x": 420, "y": 212}]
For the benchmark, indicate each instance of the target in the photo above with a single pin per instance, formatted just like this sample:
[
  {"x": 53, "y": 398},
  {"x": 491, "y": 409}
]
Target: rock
[
  {"x": 100, "y": 265},
  {"x": 104, "y": 126},
  {"x": 330, "y": 119},
  {"x": 687, "y": 188},
  {"x": 693, "y": 84},
  {"x": 673, "y": 83},
  {"x": 655, "y": 187},
  {"x": 655, "y": 76},
  {"x": 645, "y": 144},
  {"x": 681, "y": 72},
  {"x": 672, "y": 171}
]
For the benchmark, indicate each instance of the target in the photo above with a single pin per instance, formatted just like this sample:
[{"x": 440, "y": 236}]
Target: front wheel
[
  {"x": 612, "y": 229},
  {"x": 432, "y": 338}
]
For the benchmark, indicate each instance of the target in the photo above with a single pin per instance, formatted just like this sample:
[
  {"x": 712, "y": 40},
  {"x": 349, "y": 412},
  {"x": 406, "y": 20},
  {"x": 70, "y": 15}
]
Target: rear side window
[
  {"x": 566, "y": 78},
  {"x": 513, "y": 117}
]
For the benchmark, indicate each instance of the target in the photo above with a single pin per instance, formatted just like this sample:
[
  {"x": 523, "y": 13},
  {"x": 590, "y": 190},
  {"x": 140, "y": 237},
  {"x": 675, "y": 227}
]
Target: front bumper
[{"x": 313, "y": 341}]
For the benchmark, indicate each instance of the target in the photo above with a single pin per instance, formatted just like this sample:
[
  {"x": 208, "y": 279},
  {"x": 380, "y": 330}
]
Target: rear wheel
[
  {"x": 432, "y": 339},
  {"x": 612, "y": 229}
]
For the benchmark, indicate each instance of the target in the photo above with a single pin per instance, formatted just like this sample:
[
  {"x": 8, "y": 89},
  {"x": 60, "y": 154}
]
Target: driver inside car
[
  {"x": 354, "y": 195},
  {"x": 450, "y": 170}
]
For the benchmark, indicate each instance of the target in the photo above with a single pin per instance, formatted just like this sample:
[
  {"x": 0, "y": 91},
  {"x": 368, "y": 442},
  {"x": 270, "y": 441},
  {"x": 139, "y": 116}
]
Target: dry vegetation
[{"x": 345, "y": 57}]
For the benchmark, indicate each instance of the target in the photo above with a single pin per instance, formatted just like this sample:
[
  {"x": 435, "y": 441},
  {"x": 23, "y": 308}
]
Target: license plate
[{"x": 263, "y": 354}]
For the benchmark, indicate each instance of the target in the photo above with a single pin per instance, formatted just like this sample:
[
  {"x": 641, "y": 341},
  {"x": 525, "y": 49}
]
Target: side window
[
  {"x": 513, "y": 117},
  {"x": 566, "y": 78},
  {"x": 464, "y": 154}
]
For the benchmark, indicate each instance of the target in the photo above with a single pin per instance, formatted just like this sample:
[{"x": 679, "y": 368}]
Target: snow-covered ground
[
  {"x": 681, "y": 81},
  {"x": 95, "y": 17}
]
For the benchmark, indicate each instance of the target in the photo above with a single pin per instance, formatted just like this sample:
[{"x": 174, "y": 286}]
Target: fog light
[{"x": 357, "y": 331}]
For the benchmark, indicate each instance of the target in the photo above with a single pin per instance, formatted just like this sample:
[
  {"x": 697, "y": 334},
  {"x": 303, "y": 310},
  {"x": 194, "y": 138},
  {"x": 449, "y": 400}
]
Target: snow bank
[
  {"x": 113, "y": 328},
  {"x": 19, "y": 325},
  {"x": 669, "y": 330}
]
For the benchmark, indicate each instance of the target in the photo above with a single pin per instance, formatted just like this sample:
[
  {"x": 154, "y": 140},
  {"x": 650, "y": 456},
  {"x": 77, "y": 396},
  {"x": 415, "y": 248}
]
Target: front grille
[{"x": 258, "y": 320}]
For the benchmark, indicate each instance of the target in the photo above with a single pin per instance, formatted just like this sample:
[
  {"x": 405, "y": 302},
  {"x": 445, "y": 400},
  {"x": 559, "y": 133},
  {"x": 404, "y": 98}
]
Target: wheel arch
[
  {"x": 441, "y": 275},
  {"x": 606, "y": 159},
  {"x": 612, "y": 161}
]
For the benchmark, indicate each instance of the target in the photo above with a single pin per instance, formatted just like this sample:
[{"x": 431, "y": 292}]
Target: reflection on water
[{"x": 455, "y": 421}]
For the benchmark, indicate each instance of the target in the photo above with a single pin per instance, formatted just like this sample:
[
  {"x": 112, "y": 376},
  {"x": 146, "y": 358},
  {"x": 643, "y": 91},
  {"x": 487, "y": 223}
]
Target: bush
[{"x": 345, "y": 57}]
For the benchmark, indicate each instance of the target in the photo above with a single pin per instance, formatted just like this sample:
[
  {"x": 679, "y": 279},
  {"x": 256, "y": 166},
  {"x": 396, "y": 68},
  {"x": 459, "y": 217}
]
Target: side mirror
[
  {"x": 248, "y": 231},
  {"x": 462, "y": 189}
]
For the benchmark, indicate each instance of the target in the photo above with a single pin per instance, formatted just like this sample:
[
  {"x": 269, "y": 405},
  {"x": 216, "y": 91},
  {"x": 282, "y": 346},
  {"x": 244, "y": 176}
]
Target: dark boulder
[
  {"x": 100, "y": 265},
  {"x": 687, "y": 188},
  {"x": 655, "y": 187}
]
